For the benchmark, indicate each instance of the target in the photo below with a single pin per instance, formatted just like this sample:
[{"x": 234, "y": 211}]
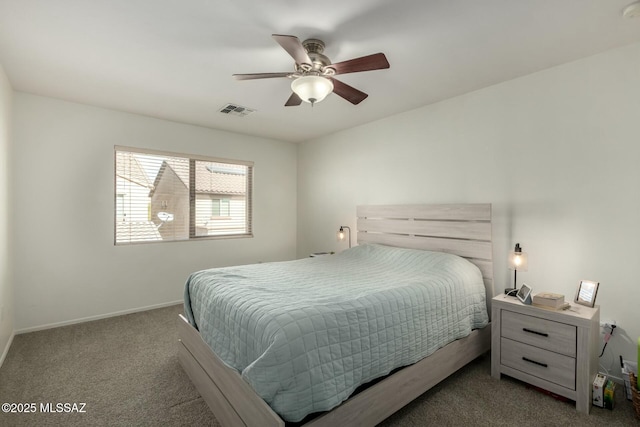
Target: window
[
  {"x": 220, "y": 207},
  {"x": 164, "y": 196}
]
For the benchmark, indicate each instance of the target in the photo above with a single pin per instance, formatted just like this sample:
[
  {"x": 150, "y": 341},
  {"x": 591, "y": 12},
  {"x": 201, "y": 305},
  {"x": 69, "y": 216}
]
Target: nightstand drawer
[
  {"x": 546, "y": 334},
  {"x": 547, "y": 365}
]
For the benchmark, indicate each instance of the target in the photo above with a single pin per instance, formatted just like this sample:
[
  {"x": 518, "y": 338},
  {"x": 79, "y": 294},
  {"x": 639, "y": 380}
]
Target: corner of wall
[
  {"x": 7, "y": 324},
  {"x": 6, "y": 348}
]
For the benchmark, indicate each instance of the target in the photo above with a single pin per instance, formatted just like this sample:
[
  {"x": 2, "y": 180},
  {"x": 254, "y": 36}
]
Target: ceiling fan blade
[
  {"x": 293, "y": 101},
  {"x": 377, "y": 61},
  {"x": 349, "y": 93},
  {"x": 294, "y": 47},
  {"x": 260, "y": 76}
]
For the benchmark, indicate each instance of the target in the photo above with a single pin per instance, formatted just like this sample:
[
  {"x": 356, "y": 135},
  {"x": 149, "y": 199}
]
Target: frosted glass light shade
[
  {"x": 312, "y": 89},
  {"x": 341, "y": 233},
  {"x": 518, "y": 261}
]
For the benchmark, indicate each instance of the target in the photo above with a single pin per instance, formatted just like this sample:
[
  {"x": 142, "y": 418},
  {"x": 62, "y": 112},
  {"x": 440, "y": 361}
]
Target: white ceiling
[{"x": 174, "y": 59}]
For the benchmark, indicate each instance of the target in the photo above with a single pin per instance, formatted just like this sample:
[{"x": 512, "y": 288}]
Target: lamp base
[{"x": 511, "y": 291}]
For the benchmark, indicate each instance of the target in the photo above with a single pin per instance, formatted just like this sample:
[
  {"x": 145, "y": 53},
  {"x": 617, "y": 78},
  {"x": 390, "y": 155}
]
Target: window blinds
[{"x": 166, "y": 196}]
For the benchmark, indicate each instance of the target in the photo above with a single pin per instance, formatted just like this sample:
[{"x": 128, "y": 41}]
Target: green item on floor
[{"x": 609, "y": 392}]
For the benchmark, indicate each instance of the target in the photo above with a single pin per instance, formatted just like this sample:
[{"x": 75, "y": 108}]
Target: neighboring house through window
[{"x": 164, "y": 196}]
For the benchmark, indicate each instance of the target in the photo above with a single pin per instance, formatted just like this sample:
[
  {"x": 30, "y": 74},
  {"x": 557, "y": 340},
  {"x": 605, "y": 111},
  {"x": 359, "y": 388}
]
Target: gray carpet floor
[{"x": 126, "y": 371}]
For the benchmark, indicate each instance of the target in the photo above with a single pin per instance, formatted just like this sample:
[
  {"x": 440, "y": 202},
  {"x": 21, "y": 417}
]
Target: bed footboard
[
  {"x": 234, "y": 402},
  {"x": 229, "y": 397}
]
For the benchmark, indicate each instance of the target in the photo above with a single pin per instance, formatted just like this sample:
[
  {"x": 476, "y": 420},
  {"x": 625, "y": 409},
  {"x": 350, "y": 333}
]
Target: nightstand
[{"x": 554, "y": 350}]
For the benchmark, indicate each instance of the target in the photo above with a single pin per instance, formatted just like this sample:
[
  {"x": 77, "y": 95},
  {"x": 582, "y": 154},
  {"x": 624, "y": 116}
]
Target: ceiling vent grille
[{"x": 236, "y": 110}]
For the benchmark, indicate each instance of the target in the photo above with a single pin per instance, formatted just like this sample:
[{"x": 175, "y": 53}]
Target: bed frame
[{"x": 461, "y": 229}]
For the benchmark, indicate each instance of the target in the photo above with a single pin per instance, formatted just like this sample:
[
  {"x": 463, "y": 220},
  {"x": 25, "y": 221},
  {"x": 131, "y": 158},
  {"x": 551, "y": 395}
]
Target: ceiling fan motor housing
[{"x": 314, "y": 48}]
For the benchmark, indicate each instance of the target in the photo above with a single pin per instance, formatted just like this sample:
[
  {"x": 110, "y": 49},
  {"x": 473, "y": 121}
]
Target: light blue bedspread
[{"x": 306, "y": 333}]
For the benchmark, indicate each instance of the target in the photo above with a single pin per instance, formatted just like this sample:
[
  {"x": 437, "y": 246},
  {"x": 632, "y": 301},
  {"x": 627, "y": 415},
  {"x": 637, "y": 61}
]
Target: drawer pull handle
[
  {"x": 544, "y": 365},
  {"x": 544, "y": 334}
]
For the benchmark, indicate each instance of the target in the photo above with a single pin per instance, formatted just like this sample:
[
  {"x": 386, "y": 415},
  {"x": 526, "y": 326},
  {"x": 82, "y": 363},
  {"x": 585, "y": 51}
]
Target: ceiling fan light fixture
[{"x": 312, "y": 89}]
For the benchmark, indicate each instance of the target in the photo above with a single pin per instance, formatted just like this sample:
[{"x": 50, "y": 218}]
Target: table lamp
[
  {"x": 341, "y": 233},
  {"x": 517, "y": 262}
]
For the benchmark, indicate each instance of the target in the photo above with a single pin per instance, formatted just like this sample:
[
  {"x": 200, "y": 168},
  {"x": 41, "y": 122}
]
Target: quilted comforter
[{"x": 306, "y": 333}]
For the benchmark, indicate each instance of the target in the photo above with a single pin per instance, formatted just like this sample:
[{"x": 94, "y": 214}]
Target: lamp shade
[
  {"x": 518, "y": 260},
  {"x": 312, "y": 89},
  {"x": 341, "y": 233}
]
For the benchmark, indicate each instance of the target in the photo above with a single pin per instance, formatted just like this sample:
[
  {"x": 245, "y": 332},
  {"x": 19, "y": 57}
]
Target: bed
[{"x": 388, "y": 237}]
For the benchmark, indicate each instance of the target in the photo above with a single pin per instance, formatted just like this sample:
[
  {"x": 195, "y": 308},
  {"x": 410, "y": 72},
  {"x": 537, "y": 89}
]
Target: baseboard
[
  {"x": 98, "y": 317},
  {"x": 6, "y": 349}
]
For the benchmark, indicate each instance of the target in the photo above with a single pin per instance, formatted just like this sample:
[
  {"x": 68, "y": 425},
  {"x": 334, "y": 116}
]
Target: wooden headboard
[{"x": 460, "y": 229}]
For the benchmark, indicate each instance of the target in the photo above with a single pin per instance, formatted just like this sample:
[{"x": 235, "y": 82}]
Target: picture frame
[
  {"x": 586, "y": 293},
  {"x": 524, "y": 294}
]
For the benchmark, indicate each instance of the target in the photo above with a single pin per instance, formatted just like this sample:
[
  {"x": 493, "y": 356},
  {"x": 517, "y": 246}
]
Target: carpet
[{"x": 123, "y": 371}]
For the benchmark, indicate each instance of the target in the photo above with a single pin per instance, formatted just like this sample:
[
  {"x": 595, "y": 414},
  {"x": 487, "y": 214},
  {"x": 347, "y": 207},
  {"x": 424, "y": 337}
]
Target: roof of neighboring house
[
  {"x": 136, "y": 231},
  {"x": 129, "y": 168},
  {"x": 211, "y": 177}
]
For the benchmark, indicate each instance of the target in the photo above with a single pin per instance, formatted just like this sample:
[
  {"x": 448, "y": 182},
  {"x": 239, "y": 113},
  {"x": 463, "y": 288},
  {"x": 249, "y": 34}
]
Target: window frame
[{"x": 191, "y": 158}]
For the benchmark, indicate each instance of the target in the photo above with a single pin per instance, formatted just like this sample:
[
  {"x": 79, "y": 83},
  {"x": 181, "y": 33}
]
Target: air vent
[{"x": 236, "y": 110}]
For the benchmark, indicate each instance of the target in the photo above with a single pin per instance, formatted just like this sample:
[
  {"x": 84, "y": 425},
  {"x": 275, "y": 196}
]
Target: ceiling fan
[{"x": 313, "y": 75}]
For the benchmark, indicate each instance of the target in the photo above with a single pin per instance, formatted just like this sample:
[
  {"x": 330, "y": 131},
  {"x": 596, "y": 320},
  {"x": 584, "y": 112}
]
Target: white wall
[
  {"x": 556, "y": 153},
  {"x": 6, "y": 285},
  {"x": 66, "y": 266}
]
